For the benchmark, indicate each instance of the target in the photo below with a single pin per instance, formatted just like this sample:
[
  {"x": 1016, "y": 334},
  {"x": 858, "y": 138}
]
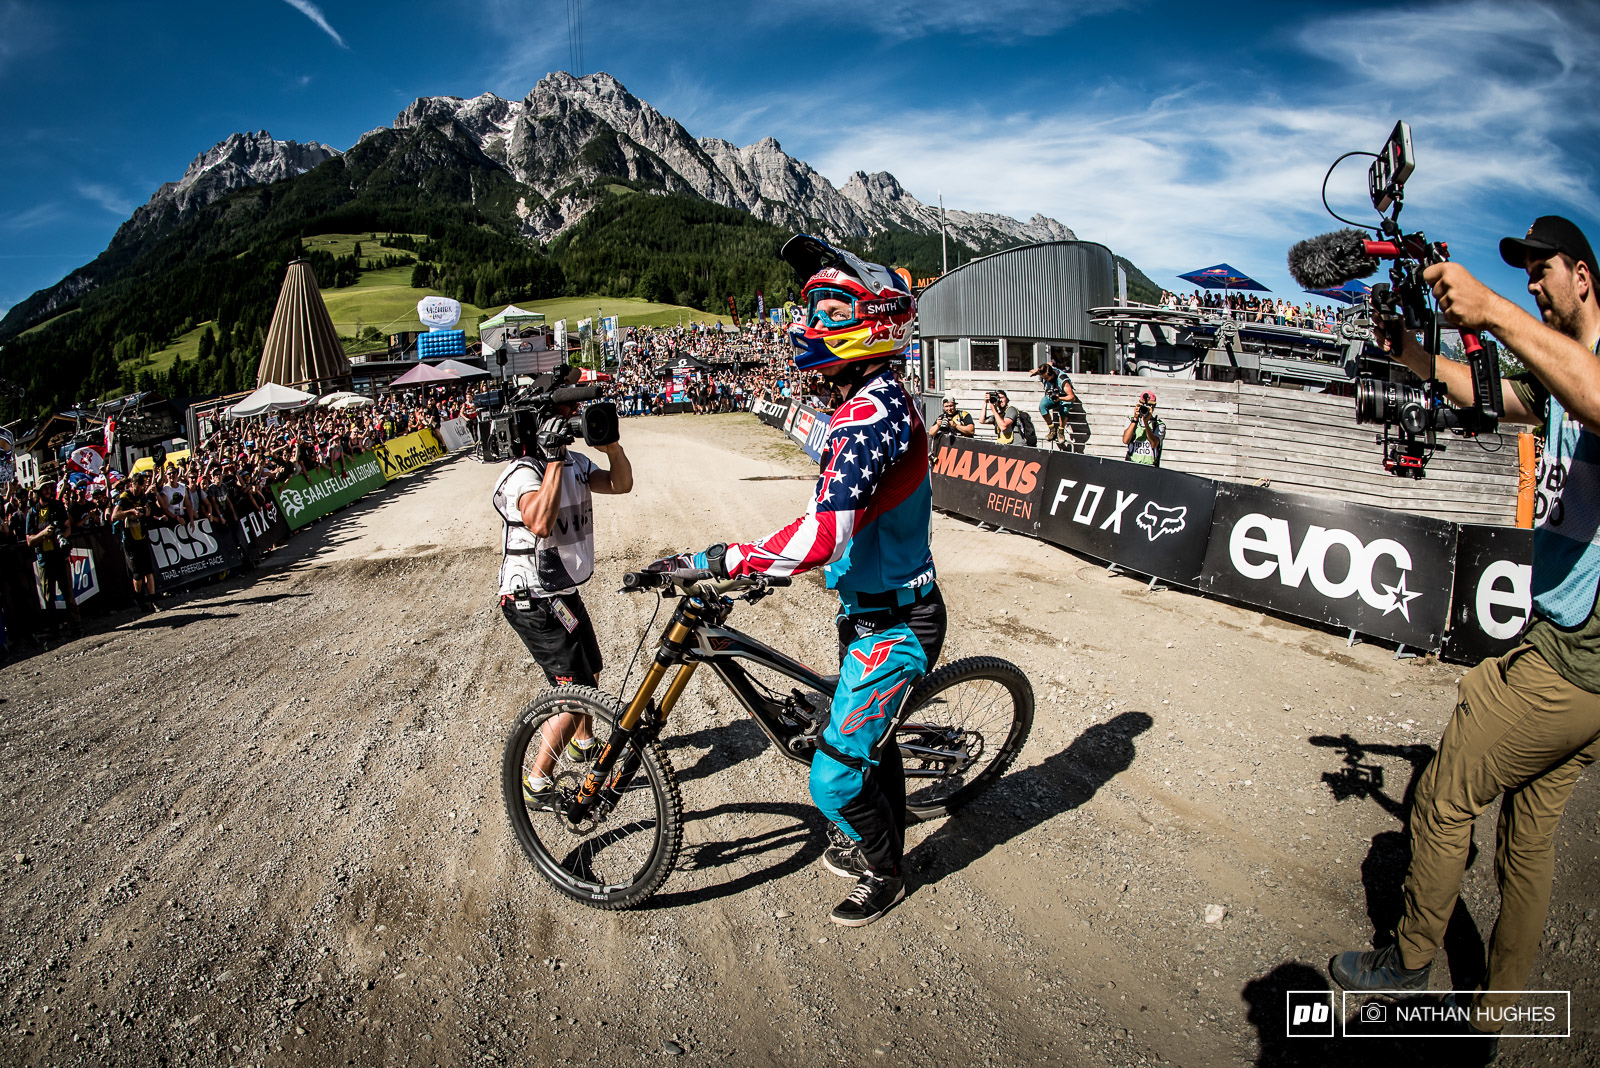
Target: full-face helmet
[{"x": 871, "y": 319}]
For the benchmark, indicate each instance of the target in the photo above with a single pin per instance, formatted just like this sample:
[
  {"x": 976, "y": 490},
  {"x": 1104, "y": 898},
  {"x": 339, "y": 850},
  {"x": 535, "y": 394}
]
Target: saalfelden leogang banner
[{"x": 303, "y": 500}]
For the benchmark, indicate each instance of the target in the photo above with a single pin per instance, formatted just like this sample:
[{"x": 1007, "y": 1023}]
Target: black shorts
[
  {"x": 141, "y": 561},
  {"x": 566, "y": 656},
  {"x": 927, "y": 617}
]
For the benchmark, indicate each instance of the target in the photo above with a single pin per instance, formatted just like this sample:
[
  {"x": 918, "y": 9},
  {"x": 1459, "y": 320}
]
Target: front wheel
[
  {"x": 617, "y": 859},
  {"x": 965, "y": 724}
]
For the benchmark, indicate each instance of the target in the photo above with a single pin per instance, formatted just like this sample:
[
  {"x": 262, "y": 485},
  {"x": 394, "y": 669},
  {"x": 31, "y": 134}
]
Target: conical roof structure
[{"x": 302, "y": 348}]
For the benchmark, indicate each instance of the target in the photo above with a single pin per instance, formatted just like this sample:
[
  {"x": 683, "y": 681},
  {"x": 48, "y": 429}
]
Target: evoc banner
[
  {"x": 408, "y": 455},
  {"x": 1151, "y": 521},
  {"x": 1377, "y": 572},
  {"x": 995, "y": 483},
  {"x": 262, "y": 527},
  {"x": 189, "y": 552},
  {"x": 1493, "y": 592},
  {"x": 305, "y": 499}
]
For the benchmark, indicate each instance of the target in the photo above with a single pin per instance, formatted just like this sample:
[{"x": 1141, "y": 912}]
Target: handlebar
[{"x": 685, "y": 577}]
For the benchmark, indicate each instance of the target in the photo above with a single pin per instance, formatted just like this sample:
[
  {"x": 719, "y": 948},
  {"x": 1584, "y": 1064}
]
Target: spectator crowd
[{"x": 1248, "y": 307}]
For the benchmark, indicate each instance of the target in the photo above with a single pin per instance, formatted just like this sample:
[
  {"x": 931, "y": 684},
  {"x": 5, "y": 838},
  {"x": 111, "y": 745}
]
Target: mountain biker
[
  {"x": 868, "y": 524},
  {"x": 548, "y": 552}
]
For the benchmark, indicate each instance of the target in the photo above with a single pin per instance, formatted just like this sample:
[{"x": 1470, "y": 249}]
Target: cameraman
[
  {"x": 1000, "y": 413},
  {"x": 547, "y": 518},
  {"x": 1145, "y": 433},
  {"x": 953, "y": 420},
  {"x": 1058, "y": 397},
  {"x": 1527, "y": 723}
]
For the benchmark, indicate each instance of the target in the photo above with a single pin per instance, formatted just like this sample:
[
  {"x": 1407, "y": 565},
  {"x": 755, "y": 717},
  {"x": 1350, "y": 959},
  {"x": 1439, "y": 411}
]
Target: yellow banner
[{"x": 408, "y": 455}]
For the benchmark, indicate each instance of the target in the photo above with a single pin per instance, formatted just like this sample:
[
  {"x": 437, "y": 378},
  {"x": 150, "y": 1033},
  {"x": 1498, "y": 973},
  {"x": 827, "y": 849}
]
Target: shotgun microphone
[{"x": 1332, "y": 259}]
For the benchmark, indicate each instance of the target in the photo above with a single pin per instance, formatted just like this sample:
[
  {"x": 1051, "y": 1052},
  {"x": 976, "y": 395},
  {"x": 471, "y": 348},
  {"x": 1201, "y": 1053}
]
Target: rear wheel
[
  {"x": 615, "y": 861},
  {"x": 966, "y": 723}
]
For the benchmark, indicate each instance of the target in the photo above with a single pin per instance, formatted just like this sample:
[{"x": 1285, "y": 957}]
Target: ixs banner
[
  {"x": 1493, "y": 592},
  {"x": 188, "y": 552},
  {"x": 1151, "y": 521},
  {"x": 995, "y": 483},
  {"x": 408, "y": 455},
  {"x": 453, "y": 435},
  {"x": 305, "y": 499},
  {"x": 1383, "y": 573}
]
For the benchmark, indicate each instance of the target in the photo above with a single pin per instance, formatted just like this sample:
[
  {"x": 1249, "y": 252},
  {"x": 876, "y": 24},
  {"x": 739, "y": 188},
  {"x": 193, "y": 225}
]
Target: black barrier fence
[
  {"x": 1436, "y": 585},
  {"x": 189, "y": 552}
]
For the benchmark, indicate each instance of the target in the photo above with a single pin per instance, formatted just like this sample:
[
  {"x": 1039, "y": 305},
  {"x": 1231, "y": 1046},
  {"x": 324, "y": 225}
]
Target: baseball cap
[
  {"x": 1147, "y": 397},
  {"x": 1550, "y": 233}
]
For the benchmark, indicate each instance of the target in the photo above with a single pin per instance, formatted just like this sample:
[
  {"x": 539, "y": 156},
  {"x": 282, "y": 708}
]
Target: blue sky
[{"x": 1180, "y": 134}]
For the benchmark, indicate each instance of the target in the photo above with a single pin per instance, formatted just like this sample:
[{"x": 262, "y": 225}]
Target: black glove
[{"x": 554, "y": 436}]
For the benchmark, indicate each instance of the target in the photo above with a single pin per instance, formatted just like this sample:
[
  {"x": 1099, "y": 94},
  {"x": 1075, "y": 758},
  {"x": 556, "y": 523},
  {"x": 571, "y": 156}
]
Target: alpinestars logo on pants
[{"x": 1261, "y": 545}]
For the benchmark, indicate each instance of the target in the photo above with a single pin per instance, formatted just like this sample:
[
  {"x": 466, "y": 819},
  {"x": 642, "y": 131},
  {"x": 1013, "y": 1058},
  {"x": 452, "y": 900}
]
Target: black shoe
[
  {"x": 872, "y": 897},
  {"x": 1376, "y": 969},
  {"x": 845, "y": 860}
]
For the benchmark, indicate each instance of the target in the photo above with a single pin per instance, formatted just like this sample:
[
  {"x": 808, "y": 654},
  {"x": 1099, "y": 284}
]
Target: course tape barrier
[
  {"x": 408, "y": 455},
  {"x": 1460, "y": 589}
]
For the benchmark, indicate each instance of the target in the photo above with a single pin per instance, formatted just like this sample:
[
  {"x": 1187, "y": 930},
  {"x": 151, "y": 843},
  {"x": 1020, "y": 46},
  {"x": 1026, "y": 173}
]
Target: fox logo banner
[
  {"x": 1383, "y": 573},
  {"x": 1147, "y": 519}
]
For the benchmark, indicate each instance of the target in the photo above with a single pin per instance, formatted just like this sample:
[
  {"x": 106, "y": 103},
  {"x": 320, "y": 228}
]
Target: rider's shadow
[
  {"x": 1022, "y": 800},
  {"x": 728, "y": 744}
]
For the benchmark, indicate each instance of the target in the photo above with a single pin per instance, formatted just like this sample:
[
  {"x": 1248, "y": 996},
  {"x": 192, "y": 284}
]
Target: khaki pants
[{"x": 1521, "y": 730}]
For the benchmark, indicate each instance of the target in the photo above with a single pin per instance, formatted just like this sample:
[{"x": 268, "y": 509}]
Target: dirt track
[{"x": 264, "y": 825}]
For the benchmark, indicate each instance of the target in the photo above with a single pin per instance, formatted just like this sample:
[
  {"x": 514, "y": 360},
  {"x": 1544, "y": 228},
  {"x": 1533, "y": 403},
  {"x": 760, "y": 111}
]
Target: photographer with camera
[
  {"x": 543, "y": 498},
  {"x": 1058, "y": 398},
  {"x": 999, "y": 412},
  {"x": 953, "y": 421},
  {"x": 1527, "y": 723},
  {"x": 1145, "y": 433}
]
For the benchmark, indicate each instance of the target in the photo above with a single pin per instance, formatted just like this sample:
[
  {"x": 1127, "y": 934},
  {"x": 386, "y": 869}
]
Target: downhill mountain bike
[{"x": 614, "y": 832}]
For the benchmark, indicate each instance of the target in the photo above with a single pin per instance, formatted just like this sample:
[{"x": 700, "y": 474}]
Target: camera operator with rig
[
  {"x": 1527, "y": 723},
  {"x": 543, "y": 499}
]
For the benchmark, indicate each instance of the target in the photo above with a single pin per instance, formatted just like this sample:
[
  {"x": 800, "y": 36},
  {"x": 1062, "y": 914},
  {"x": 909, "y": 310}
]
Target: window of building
[
  {"x": 985, "y": 355},
  {"x": 1019, "y": 355},
  {"x": 1092, "y": 360},
  {"x": 1061, "y": 356}
]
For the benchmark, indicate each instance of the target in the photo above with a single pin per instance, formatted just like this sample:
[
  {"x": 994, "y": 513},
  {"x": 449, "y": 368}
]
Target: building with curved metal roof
[{"x": 1017, "y": 309}]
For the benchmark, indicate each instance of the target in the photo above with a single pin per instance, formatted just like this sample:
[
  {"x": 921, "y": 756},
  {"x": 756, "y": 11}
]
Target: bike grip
[
  {"x": 642, "y": 580},
  {"x": 778, "y": 580}
]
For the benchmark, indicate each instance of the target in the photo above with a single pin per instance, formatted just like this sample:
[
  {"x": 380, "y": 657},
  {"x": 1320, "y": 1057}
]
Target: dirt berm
[{"x": 263, "y": 826}]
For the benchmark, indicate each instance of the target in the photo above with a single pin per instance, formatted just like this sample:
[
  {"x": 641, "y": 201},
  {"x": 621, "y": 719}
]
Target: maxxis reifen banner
[
  {"x": 1152, "y": 521},
  {"x": 993, "y": 483},
  {"x": 1493, "y": 592},
  {"x": 1383, "y": 573},
  {"x": 304, "y": 500}
]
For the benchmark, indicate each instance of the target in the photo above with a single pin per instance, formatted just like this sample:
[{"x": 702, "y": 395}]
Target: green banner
[{"x": 304, "y": 499}]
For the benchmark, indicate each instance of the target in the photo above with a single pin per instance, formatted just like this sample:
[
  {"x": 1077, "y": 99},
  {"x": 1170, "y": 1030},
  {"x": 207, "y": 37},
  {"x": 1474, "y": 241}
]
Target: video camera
[
  {"x": 1410, "y": 415},
  {"x": 517, "y": 424}
]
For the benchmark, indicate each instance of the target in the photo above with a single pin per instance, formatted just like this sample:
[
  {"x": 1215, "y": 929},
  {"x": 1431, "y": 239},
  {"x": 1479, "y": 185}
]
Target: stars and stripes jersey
[{"x": 870, "y": 520}]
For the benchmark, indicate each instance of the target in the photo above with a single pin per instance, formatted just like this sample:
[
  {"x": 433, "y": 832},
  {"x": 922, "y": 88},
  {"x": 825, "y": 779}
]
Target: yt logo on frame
[{"x": 1308, "y": 1013}]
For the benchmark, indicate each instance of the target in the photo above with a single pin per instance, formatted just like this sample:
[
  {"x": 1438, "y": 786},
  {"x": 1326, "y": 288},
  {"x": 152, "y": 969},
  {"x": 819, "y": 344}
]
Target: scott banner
[
  {"x": 1494, "y": 592},
  {"x": 189, "y": 552},
  {"x": 305, "y": 499},
  {"x": 408, "y": 455},
  {"x": 1377, "y": 572},
  {"x": 769, "y": 411},
  {"x": 1151, "y": 521}
]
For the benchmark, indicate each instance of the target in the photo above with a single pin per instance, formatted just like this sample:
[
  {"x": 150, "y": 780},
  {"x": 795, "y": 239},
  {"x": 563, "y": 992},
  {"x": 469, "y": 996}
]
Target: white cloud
[
  {"x": 105, "y": 196},
  {"x": 1183, "y": 181},
  {"x": 30, "y": 218},
  {"x": 314, "y": 13},
  {"x": 1000, "y": 19}
]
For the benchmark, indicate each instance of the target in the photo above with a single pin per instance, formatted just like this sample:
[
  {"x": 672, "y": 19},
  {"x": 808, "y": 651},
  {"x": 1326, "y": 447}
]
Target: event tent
[
  {"x": 331, "y": 400},
  {"x": 462, "y": 370},
  {"x": 270, "y": 398},
  {"x": 422, "y": 374}
]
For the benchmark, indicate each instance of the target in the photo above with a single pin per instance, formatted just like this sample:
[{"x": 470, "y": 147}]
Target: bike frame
[{"x": 695, "y": 635}]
